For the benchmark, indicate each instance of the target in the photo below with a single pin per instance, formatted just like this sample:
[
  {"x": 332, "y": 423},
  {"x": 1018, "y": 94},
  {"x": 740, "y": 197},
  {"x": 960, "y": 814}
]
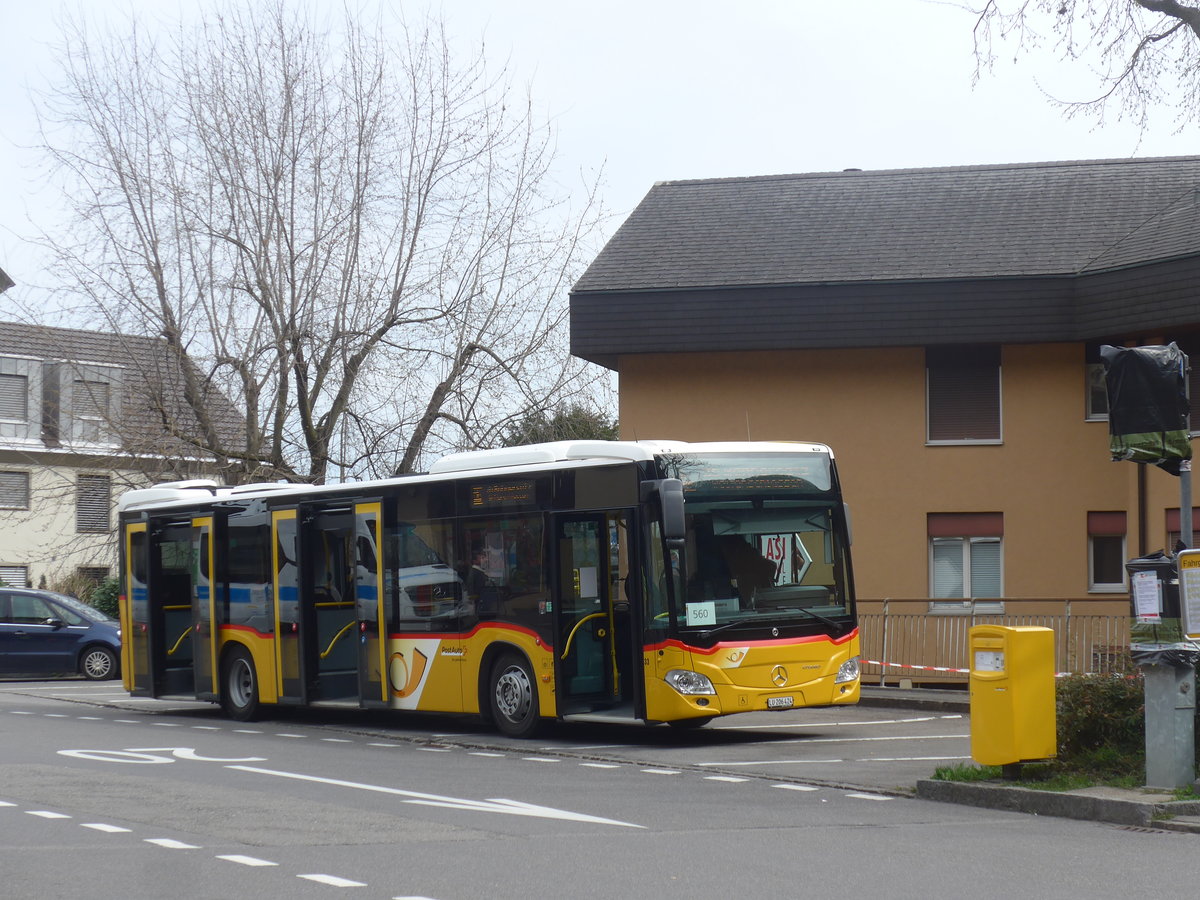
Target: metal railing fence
[{"x": 927, "y": 647}]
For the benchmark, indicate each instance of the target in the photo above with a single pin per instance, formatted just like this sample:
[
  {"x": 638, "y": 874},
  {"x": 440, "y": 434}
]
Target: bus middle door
[{"x": 586, "y": 675}]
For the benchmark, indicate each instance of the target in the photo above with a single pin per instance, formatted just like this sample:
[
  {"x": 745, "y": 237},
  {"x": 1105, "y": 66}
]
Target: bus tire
[
  {"x": 513, "y": 696},
  {"x": 239, "y": 686},
  {"x": 98, "y": 663}
]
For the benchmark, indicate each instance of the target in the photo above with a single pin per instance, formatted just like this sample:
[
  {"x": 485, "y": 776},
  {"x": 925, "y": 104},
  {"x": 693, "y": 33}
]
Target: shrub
[
  {"x": 1101, "y": 723},
  {"x": 104, "y": 597}
]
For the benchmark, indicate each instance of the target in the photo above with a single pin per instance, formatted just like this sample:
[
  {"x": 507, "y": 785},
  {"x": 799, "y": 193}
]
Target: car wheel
[
  {"x": 239, "y": 686},
  {"x": 513, "y": 696},
  {"x": 98, "y": 664}
]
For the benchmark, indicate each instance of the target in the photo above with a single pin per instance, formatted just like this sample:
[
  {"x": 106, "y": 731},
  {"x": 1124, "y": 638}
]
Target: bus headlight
[
  {"x": 848, "y": 671},
  {"x": 689, "y": 682}
]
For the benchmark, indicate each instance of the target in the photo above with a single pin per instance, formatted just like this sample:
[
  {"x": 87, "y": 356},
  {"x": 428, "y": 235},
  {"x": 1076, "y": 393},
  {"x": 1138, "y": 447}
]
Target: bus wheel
[
  {"x": 98, "y": 664},
  {"x": 239, "y": 686},
  {"x": 513, "y": 696}
]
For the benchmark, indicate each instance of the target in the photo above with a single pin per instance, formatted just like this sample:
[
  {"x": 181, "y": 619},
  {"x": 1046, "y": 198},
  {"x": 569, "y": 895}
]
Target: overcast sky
[{"x": 655, "y": 90}]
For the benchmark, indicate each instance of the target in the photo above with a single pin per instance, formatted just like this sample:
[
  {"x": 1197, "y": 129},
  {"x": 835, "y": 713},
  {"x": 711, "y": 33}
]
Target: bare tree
[
  {"x": 351, "y": 234},
  {"x": 1144, "y": 54}
]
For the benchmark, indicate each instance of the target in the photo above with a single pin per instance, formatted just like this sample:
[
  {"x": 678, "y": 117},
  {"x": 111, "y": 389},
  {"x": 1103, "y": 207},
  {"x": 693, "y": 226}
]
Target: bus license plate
[{"x": 780, "y": 702}]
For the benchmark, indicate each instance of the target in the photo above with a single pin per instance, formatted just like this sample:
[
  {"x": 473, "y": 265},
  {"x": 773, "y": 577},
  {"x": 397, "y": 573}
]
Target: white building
[{"x": 81, "y": 420}]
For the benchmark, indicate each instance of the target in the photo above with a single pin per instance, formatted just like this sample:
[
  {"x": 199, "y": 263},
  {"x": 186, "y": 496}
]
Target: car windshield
[{"x": 79, "y": 607}]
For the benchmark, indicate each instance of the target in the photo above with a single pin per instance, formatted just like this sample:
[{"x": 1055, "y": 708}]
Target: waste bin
[{"x": 1012, "y": 694}]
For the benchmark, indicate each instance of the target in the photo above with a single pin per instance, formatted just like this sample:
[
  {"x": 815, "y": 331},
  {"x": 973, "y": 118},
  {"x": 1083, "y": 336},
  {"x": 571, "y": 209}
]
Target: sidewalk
[{"x": 1141, "y": 808}]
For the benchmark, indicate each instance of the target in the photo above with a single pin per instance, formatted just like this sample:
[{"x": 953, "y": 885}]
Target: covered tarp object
[{"x": 1147, "y": 404}]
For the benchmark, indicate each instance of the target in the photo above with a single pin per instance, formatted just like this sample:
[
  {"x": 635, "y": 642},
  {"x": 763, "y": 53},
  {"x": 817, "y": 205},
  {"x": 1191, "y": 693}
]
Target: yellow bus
[{"x": 650, "y": 581}]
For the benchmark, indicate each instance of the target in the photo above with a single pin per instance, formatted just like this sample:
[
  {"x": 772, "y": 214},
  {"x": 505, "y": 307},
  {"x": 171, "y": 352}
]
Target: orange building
[{"x": 939, "y": 328}]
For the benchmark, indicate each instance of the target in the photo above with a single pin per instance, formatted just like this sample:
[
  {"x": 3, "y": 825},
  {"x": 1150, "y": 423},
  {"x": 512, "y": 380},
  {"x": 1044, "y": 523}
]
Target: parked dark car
[{"x": 44, "y": 633}]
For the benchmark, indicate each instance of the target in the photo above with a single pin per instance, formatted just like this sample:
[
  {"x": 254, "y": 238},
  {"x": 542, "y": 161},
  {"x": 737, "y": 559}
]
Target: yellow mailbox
[{"x": 1012, "y": 694}]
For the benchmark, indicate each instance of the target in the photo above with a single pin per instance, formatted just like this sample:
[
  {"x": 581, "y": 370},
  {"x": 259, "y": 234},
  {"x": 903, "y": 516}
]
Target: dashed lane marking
[
  {"x": 247, "y": 860},
  {"x": 333, "y": 880}
]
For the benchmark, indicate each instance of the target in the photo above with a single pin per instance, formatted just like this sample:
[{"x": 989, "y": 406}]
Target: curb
[
  {"x": 1087, "y": 805},
  {"x": 948, "y": 701}
]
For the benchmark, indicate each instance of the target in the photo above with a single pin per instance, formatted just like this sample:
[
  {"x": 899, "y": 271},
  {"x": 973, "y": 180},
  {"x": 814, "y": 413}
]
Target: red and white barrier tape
[{"x": 872, "y": 662}]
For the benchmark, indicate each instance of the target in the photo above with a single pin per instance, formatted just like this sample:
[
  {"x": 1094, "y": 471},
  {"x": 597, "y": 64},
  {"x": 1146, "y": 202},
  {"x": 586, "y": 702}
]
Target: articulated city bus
[{"x": 653, "y": 581}]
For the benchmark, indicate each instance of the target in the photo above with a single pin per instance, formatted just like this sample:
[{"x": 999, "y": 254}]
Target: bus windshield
[{"x": 765, "y": 542}]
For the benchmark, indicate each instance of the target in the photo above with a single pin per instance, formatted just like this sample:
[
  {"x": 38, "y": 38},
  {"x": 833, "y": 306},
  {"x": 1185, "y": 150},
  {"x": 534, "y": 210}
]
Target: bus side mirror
[{"x": 670, "y": 497}]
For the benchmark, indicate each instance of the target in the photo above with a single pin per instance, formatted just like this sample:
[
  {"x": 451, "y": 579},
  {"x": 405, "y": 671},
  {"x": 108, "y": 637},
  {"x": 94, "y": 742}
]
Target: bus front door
[{"x": 588, "y": 675}]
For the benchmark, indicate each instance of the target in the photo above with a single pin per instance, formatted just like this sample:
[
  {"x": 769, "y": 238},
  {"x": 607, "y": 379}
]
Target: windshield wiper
[{"x": 833, "y": 623}]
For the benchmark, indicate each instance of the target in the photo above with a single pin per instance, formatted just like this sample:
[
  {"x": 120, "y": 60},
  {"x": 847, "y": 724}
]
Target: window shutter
[
  {"x": 14, "y": 397},
  {"x": 985, "y": 568},
  {"x": 14, "y": 490},
  {"x": 92, "y": 503},
  {"x": 947, "y": 568},
  {"x": 963, "y": 393}
]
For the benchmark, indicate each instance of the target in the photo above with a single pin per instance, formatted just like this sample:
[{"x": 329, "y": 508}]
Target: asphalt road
[{"x": 101, "y": 795}]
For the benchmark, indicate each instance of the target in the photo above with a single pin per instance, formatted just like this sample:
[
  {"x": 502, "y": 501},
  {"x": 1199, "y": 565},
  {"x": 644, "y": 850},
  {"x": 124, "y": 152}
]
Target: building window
[
  {"x": 90, "y": 407},
  {"x": 962, "y": 397},
  {"x": 93, "y": 500},
  {"x": 1097, "y": 394},
  {"x": 1106, "y": 551},
  {"x": 966, "y": 559},
  {"x": 14, "y": 398},
  {"x": 14, "y": 490},
  {"x": 14, "y": 576},
  {"x": 94, "y": 574},
  {"x": 1175, "y": 529}
]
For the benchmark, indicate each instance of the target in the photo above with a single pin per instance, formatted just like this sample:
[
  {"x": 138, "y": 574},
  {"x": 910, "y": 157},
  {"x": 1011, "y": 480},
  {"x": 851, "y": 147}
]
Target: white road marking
[
  {"x": 6, "y": 803},
  {"x": 102, "y": 826},
  {"x": 487, "y": 753},
  {"x": 732, "y": 779},
  {"x": 876, "y": 740},
  {"x": 547, "y": 759},
  {"x": 46, "y": 814},
  {"x": 493, "y": 805},
  {"x": 592, "y": 765},
  {"x": 661, "y": 771},
  {"x": 827, "y": 724},
  {"x": 338, "y": 740},
  {"x": 858, "y": 795},
  {"x": 171, "y": 844},
  {"x": 333, "y": 880},
  {"x": 795, "y": 787},
  {"x": 247, "y": 860}
]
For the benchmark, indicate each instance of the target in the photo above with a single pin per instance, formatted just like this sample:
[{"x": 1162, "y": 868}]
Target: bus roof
[{"x": 555, "y": 454}]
